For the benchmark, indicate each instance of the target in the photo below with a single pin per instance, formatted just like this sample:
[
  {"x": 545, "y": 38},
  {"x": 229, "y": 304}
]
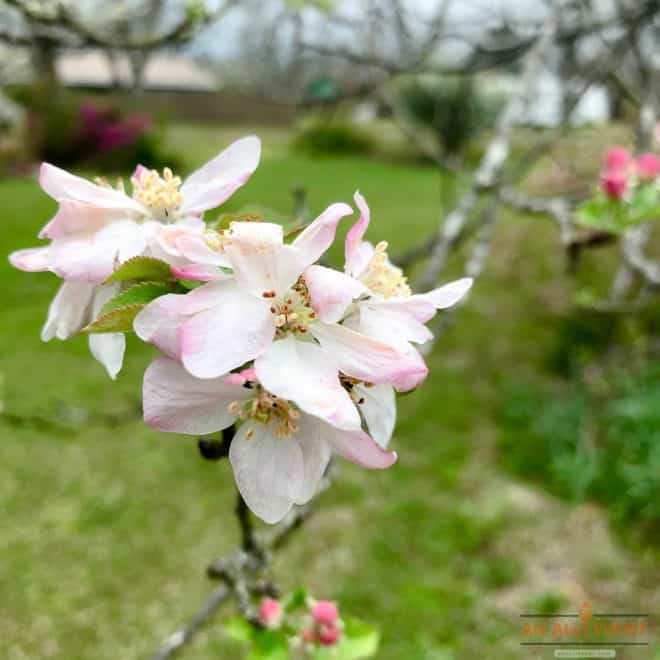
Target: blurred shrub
[
  {"x": 452, "y": 109},
  {"x": 591, "y": 444},
  {"x": 60, "y": 129},
  {"x": 333, "y": 137}
]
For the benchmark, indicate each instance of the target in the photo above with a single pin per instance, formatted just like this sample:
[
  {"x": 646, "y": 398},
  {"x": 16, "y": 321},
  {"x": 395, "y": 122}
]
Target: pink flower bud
[
  {"x": 614, "y": 183},
  {"x": 325, "y": 613},
  {"x": 270, "y": 613},
  {"x": 648, "y": 167},
  {"x": 308, "y": 635},
  {"x": 328, "y": 635},
  {"x": 618, "y": 158}
]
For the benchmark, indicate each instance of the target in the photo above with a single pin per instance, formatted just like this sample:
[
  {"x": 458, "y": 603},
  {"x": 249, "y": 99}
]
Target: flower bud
[
  {"x": 618, "y": 158},
  {"x": 614, "y": 183},
  {"x": 270, "y": 613},
  {"x": 325, "y": 613},
  {"x": 648, "y": 167},
  {"x": 329, "y": 635}
]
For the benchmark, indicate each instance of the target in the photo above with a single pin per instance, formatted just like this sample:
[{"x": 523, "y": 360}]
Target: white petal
[
  {"x": 331, "y": 292},
  {"x": 217, "y": 180},
  {"x": 108, "y": 349},
  {"x": 393, "y": 326},
  {"x": 449, "y": 294},
  {"x": 262, "y": 265},
  {"x": 378, "y": 410},
  {"x": 177, "y": 402},
  {"x": 269, "y": 471},
  {"x": 238, "y": 328},
  {"x": 365, "y": 358},
  {"x": 320, "y": 234},
  {"x": 300, "y": 372},
  {"x": 69, "y": 311},
  {"x": 316, "y": 453}
]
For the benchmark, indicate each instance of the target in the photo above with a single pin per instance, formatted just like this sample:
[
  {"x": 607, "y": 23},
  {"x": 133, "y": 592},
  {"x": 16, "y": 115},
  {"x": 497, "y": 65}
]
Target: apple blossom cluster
[
  {"x": 622, "y": 172},
  {"x": 321, "y": 624},
  {"x": 254, "y": 332},
  {"x": 628, "y": 195}
]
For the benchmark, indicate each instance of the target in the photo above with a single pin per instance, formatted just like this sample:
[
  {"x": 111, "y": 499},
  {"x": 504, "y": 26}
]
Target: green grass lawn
[{"x": 107, "y": 526}]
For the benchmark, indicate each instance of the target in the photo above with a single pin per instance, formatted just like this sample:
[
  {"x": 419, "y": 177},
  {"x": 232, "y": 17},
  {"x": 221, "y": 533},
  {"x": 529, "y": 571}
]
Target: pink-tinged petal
[
  {"x": 189, "y": 243},
  {"x": 69, "y": 311},
  {"x": 238, "y": 328},
  {"x": 409, "y": 381},
  {"x": 300, "y": 372},
  {"x": 394, "y": 326},
  {"x": 365, "y": 358},
  {"x": 449, "y": 294},
  {"x": 177, "y": 402},
  {"x": 139, "y": 172},
  {"x": 216, "y": 181},
  {"x": 160, "y": 321},
  {"x": 61, "y": 185},
  {"x": 320, "y": 234},
  {"x": 356, "y": 234},
  {"x": 32, "y": 260},
  {"x": 197, "y": 250},
  {"x": 200, "y": 273},
  {"x": 262, "y": 266},
  {"x": 93, "y": 258},
  {"x": 358, "y": 447},
  {"x": 331, "y": 292},
  {"x": 75, "y": 219},
  {"x": 316, "y": 454},
  {"x": 378, "y": 408},
  {"x": 269, "y": 471}
]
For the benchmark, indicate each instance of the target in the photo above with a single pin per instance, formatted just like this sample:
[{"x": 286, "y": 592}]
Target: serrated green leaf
[
  {"x": 140, "y": 294},
  {"x": 141, "y": 268},
  {"x": 118, "y": 320}
]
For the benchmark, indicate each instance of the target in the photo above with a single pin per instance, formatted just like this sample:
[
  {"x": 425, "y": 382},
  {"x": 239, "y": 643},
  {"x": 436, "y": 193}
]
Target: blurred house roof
[{"x": 163, "y": 71}]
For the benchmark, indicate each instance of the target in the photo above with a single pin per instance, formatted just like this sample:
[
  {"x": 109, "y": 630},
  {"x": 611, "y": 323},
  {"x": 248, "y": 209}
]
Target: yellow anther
[
  {"x": 156, "y": 192},
  {"x": 383, "y": 277}
]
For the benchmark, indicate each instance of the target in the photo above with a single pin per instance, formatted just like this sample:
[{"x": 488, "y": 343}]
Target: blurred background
[{"x": 529, "y": 470}]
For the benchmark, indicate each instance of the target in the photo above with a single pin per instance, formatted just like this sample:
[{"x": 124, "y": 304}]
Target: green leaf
[
  {"x": 603, "y": 214},
  {"x": 295, "y": 600},
  {"x": 141, "y": 268},
  {"x": 140, "y": 294},
  {"x": 359, "y": 640},
  {"x": 239, "y": 629},
  {"x": 118, "y": 320},
  {"x": 269, "y": 645}
]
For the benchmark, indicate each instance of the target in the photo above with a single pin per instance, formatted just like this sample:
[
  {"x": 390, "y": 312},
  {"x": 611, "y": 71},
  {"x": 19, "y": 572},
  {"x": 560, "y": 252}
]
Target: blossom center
[
  {"x": 293, "y": 311},
  {"x": 383, "y": 277},
  {"x": 160, "y": 193},
  {"x": 266, "y": 408}
]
